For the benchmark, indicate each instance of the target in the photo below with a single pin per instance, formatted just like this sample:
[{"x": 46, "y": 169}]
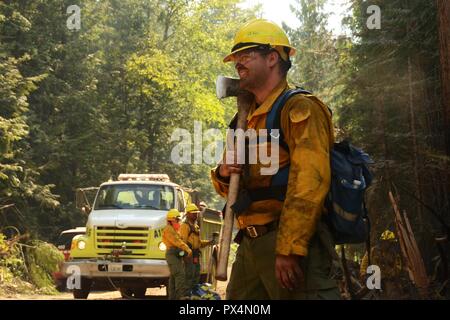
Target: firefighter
[
  {"x": 176, "y": 249},
  {"x": 280, "y": 255},
  {"x": 386, "y": 255},
  {"x": 190, "y": 233}
]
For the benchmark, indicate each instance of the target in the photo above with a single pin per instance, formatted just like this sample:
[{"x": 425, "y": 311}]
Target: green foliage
[
  {"x": 42, "y": 260},
  {"x": 80, "y": 107},
  {"x": 35, "y": 263},
  {"x": 11, "y": 262},
  {"x": 316, "y": 50},
  {"x": 18, "y": 175}
]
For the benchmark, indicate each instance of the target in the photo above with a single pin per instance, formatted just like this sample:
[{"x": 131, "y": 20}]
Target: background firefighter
[
  {"x": 175, "y": 250},
  {"x": 190, "y": 234},
  {"x": 386, "y": 255}
]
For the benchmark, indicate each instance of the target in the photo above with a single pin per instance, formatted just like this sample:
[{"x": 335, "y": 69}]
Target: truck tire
[
  {"x": 61, "y": 285},
  {"x": 85, "y": 289},
  {"x": 126, "y": 293},
  {"x": 139, "y": 293}
]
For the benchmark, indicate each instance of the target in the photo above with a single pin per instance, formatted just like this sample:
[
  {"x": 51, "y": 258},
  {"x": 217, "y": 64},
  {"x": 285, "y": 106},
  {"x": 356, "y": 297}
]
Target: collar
[{"x": 267, "y": 104}]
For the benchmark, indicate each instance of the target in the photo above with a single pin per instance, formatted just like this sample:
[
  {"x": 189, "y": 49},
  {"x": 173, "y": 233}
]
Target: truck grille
[{"x": 110, "y": 238}]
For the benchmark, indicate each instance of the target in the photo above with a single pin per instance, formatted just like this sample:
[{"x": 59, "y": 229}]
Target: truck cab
[{"x": 122, "y": 248}]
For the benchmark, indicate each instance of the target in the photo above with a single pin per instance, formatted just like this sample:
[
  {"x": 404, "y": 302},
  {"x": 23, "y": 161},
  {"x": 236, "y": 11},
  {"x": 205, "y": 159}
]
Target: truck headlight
[
  {"x": 162, "y": 246},
  {"x": 81, "y": 245}
]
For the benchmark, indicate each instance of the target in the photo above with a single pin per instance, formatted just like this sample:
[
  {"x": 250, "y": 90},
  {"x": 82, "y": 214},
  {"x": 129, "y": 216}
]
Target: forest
[{"x": 79, "y": 106}]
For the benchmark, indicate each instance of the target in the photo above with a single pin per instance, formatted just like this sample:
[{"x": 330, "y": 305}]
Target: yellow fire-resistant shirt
[
  {"x": 192, "y": 238},
  {"x": 308, "y": 130},
  {"x": 172, "y": 239}
]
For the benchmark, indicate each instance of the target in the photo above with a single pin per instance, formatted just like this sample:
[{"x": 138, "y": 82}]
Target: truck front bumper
[{"x": 129, "y": 268}]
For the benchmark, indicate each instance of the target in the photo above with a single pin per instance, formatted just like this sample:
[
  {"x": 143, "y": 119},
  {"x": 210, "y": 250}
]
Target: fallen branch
[
  {"x": 16, "y": 239},
  {"x": 410, "y": 250},
  {"x": 7, "y": 206}
]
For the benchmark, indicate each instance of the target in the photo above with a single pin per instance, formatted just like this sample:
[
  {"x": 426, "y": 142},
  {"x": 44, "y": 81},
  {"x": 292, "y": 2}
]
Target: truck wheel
[
  {"x": 139, "y": 293},
  {"x": 126, "y": 293},
  {"x": 165, "y": 284},
  {"x": 85, "y": 289},
  {"x": 61, "y": 285}
]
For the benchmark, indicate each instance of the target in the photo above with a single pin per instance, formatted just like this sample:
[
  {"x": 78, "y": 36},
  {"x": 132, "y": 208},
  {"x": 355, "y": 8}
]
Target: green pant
[
  {"x": 253, "y": 272},
  {"x": 177, "y": 280},
  {"x": 192, "y": 273}
]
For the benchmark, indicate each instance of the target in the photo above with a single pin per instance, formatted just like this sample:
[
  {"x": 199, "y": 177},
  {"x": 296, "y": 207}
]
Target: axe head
[{"x": 227, "y": 87}]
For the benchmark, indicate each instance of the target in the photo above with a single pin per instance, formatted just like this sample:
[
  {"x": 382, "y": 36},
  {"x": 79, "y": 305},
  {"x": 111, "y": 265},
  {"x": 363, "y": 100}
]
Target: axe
[{"x": 229, "y": 87}]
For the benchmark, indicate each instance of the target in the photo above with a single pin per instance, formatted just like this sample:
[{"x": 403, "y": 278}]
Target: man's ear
[{"x": 272, "y": 58}]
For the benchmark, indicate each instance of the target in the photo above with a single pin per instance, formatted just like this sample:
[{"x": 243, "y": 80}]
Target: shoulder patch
[{"x": 299, "y": 113}]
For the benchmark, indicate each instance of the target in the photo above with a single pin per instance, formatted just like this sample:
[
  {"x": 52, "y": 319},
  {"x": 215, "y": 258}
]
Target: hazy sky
[{"x": 278, "y": 10}]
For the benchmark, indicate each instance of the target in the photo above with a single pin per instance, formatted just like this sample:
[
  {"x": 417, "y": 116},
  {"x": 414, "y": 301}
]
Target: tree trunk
[
  {"x": 444, "y": 43},
  {"x": 383, "y": 138},
  {"x": 412, "y": 121}
]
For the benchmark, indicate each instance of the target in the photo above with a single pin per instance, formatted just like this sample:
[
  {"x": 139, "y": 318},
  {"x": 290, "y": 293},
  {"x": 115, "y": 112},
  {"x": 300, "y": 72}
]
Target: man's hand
[
  {"x": 226, "y": 169},
  {"x": 288, "y": 271}
]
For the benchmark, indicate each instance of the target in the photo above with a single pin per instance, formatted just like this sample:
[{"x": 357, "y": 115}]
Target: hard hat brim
[{"x": 229, "y": 57}]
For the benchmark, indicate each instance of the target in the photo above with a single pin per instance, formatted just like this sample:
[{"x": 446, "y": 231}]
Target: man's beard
[{"x": 252, "y": 80}]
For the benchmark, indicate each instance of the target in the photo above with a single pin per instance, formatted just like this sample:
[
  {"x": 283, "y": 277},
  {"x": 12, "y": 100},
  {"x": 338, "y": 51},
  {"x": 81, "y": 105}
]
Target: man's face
[
  {"x": 192, "y": 216},
  {"x": 252, "y": 67}
]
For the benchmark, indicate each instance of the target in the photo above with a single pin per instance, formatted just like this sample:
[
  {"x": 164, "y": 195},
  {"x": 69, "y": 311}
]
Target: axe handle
[{"x": 227, "y": 227}]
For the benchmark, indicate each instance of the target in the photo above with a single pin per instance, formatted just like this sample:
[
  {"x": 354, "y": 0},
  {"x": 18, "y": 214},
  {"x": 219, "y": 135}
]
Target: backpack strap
[
  {"x": 278, "y": 186},
  {"x": 273, "y": 119}
]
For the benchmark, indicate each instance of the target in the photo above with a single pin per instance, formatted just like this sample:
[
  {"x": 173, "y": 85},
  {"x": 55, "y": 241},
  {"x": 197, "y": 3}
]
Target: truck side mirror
[{"x": 86, "y": 209}]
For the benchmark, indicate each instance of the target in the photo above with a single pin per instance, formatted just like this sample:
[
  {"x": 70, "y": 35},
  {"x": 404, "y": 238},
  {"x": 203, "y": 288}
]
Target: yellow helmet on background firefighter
[
  {"x": 387, "y": 235},
  {"x": 261, "y": 32},
  {"x": 191, "y": 207},
  {"x": 173, "y": 214}
]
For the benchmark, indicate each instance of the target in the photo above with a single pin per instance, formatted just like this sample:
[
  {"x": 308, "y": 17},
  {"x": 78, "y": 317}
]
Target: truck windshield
[{"x": 135, "y": 196}]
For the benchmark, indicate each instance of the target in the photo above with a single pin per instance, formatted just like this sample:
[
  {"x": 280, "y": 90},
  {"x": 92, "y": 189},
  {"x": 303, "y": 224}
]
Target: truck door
[{"x": 181, "y": 205}]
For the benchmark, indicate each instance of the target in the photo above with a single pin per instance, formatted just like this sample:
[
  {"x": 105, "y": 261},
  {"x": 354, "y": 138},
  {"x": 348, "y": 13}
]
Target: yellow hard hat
[
  {"x": 387, "y": 235},
  {"x": 173, "y": 214},
  {"x": 261, "y": 32},
  {"x": 191, "y": 207}
]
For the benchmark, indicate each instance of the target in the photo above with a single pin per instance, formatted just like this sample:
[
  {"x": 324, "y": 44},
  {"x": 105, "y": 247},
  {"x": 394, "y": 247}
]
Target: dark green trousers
[
  {"x": 192, "y": 274},
  {"x": 177, "y": 281},
  {"x": 253, "y": 272}
]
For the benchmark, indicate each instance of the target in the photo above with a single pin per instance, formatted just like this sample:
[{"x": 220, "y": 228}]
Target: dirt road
[{"x": 151, "y": 294}]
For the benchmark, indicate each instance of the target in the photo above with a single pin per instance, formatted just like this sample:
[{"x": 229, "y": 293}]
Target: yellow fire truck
[{"x": 122, "y": 248}]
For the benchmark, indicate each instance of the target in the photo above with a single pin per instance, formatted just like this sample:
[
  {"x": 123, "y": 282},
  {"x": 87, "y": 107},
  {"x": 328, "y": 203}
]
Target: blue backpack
[
  {"x": 350, "y": 177},
  {"x": 346, "y": 215}
]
